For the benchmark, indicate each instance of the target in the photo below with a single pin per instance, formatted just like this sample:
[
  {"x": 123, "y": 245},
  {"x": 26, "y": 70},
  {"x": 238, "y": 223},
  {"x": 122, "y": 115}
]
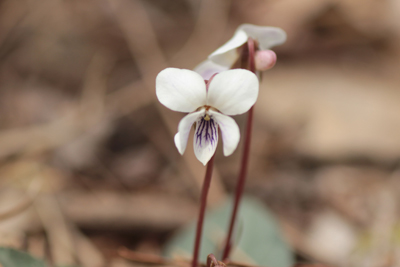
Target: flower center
[{"x": 207, "y": 108}]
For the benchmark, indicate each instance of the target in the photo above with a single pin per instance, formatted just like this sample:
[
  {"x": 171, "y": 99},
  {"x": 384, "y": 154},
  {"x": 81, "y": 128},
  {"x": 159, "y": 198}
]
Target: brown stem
[
  {"x": 245, "y": 159},
  {"x": 252, "y": 47},
  {"x": 203, "y": 203}
]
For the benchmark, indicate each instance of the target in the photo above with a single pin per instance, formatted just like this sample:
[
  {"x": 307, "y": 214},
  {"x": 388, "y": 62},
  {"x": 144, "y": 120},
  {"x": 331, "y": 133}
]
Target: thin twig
[
  {"x": 73, "y": 124},
  {"x": 211, "y": 15},
  {"x": 61, "y": 243},
  {"x": 17, "y": 209},
  {"x": 33, "y": 192}
]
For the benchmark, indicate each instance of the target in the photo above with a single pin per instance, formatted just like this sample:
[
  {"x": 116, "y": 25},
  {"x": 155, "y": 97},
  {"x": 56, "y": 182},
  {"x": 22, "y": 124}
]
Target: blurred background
[{"x": 87, "y": 159}]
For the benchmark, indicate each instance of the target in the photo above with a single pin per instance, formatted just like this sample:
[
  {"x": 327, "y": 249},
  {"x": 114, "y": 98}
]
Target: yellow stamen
[{"x": 207, "y": 117}]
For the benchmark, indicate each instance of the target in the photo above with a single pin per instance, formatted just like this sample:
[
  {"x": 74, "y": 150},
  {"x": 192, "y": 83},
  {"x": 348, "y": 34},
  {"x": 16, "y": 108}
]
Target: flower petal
[
  {"x": 267, "y": 37},
  {"x": 233, "y": 92},
  {"x": 208, "y": 68},
  {"x": 205, "y": 139},
  {"x": 184, "y": 127},
  {"x": 227, "y": 54},
  {"x": 229, "y": 130},
  {"x": 180, "y": 90}
]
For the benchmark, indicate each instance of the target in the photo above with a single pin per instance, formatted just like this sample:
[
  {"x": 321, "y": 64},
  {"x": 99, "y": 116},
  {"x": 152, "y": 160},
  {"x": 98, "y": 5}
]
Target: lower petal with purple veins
[
  {"x": 184, "y": 127},
  {"x": 229, "y": 130},
  {"x": 205, "y": 138}
]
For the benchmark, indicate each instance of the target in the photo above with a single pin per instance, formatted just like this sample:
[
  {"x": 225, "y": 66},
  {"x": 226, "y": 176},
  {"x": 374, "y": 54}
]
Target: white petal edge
[
  {"x": 181, "y": 137},
  {"x": 180, "y": 90},
  {"x": 233, "y": 92},
  {"x": 205, "y": 139},
  {"x": 208, "y": 68},
  {"x": 227, "y": 54},
  {"x": 229, "y": 130},
  {"x": 267, "y": 37}
]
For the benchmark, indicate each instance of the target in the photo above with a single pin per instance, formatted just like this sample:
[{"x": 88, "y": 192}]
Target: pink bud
[{"x": 265, "y": 59}]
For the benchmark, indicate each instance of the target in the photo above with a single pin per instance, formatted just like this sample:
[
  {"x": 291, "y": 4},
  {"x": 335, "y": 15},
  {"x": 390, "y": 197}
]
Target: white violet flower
[
  {"x": 224, "y": 57},
  {"x": 230, "y": 92}
]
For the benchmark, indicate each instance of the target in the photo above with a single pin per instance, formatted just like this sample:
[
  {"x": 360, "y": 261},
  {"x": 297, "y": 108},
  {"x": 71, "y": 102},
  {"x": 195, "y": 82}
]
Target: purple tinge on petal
[
  {"x": 206, "y": 133},
  {"x": 208, "y": 68}
]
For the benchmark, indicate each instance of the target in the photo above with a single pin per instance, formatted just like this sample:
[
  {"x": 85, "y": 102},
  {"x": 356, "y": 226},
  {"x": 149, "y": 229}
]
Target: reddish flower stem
[
  {"x": 203, "y": 203},
  {"x": 252, "y": 47},
  {"x": 245, "y": 160}
]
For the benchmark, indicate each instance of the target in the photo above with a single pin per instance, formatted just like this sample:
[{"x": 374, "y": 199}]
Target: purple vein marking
[{"x": 206, "y": 130}]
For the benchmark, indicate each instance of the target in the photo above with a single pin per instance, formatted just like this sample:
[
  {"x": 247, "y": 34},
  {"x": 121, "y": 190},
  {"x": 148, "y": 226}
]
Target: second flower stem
[
  {"x": 245, "y": 157},
  {"x": 203, "y": 204},
  {"x": 240, "y": 184}
]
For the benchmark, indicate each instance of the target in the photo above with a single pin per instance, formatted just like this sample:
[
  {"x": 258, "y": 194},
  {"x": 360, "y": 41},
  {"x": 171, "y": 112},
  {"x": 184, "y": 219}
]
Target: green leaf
[
  {"x": 14, "y": 258},
  {"x": 257, "y": 241}
]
